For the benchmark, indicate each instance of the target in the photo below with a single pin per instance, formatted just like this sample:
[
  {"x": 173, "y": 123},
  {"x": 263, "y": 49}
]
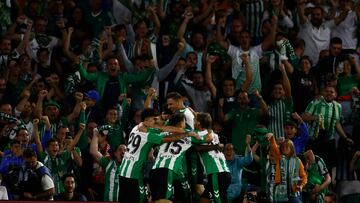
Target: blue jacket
[
  {"x": 301, "y": 139},
  {"x": 10, "y": 160},
  {"x": 236, "y": 166}
]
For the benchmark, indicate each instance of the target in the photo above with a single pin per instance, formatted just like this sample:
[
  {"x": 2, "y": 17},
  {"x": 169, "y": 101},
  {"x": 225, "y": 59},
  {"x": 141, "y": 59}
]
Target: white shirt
[
  {"x": 346, "y": 31},
  {"x": 3, "y": 193},
  {"x": 316, "y": 39},
  {"x": 238, "y": 71},
  {"x": 46, "y": 181},
  {"x": 34, "y": 46}
]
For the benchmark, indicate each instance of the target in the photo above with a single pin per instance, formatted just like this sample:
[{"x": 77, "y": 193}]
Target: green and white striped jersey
[
  {"x": 138, "y": 148},
  {"x": 57, "y": 167},
  {"x": 213, "y": 161},
  {"x": 331, "y": 113},
  {"x": 171, "y": 154},
  {"x": 112, "y": 169},
  {"x": 279, "y": 112}
]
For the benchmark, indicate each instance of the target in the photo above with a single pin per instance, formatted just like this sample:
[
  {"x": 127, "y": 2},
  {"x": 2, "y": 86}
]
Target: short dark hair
[
  {"x": 228, "y": 79},
  {"x": 119, "y": 27},
  {"x": 42, "y": 50},
  {"x": 245, "y": 31},
  {"x": 190, "y": 52},
  {"x": 50, "y": 141},
  {"x": 205, "y": 120},
  {"x": 6, "y": 37},
  {"x": 63, "y": 178},
  {"x": 176, "y": 119},
  {"x": 13, "y": 142},
  {"x": 29, "y": 153},
  {"x": 148, "y": 112},
  {"x": 335, "y": 40},
  {"x": 318, "y": 7},
  {"x": 142, "y": 20},
  {"x": 290, "y": 123},
  {"x": 197, "y": 72},
  {"x": 174, "y": 96}
]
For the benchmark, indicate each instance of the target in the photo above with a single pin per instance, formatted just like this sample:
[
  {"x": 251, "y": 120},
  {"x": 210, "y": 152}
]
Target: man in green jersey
[
  {"x": 141, "y": 140},
  {"x": 169, "y": 162},
  {"x": 175, "y": 103},
  {"x": 323, "y": 116},
  {"x": 58, "y": 162},
  {"x": 214, "y": 163},
  {"x": 111, "y": 166},
  {"x": 244, "y": 119}
]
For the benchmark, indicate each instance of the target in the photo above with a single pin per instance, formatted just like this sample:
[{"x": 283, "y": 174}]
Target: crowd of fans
[{"x": 180, "y": 100}]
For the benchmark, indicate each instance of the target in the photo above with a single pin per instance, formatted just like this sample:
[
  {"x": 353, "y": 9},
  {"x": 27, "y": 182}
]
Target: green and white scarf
[{"x": 289, "y": 171}]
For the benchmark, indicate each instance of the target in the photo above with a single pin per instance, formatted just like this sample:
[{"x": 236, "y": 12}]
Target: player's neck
[{"x": 143, "y": 127}]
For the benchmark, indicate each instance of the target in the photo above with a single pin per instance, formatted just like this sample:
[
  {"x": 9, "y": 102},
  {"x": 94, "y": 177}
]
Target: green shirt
[
  {"x": 213, "y": 161},
  {"x": 330, "y": 111},
  {"x": 346, "y": 83},
  {"x": 112, "y": 171},
  {"x": 316, "y": 173},
  {"x": 58, "y": 167},
  {"x": 279, "y": 112},
  {"x": 243, "y": 123},
  {"x": 138, "y": 149},
  {"x": 101, "y": 78},
  {"x": 116, "y": 136},
  {"x": 171, "y": 154}
]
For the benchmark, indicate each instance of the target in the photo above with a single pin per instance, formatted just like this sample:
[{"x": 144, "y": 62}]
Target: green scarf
[{"x": 289, "y": 170}]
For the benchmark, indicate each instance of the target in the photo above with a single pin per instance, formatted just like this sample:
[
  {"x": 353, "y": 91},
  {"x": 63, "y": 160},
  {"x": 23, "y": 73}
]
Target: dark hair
[
  {"x": 50, "y": 141},
  {"x": 60, "y": 127},
  {"x": 245, "y": 31},
  {"x": 37, "y": 18},
  {"x": 148, "y": 112},
  {"x": 63, "y": 178},
  {"x": 190, "y": 52},
  {"x": 14, "y": 141},
  {"x": 238, "y": 92},
  {"x": 197, "y": 72},
  {"x": 166, "y": 110},
  {"x": 143, "y": 57},
  {"x": 290, "y": 123},
  {"x": 6, "y": 37},
  {"x": 318, "y": 7},
  {"x": 42, "y": 50},
  {"x": 335, "y": 40},
  {"x": 21, "y": 127},
  {"x": 143, "y": 20},
  {"x": 299, "y": 43},
  {"x": 110, "y": 58},
  {"x": 176, "y": 119},
  {"x": 281, "y": 34},
  {"x": 174, "y": 96},
  {"x": 119, "y": 27},
  {"x": 29, "y": 153},
  {"x": 112, "y": 107},
  {"x": 228, "y": 79},
  {"x": 198, "y": 31},
  {"x": 205, "y": 120},
  {"x": 306, "y": 58},
  {"x": 330, "y": 77}
]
